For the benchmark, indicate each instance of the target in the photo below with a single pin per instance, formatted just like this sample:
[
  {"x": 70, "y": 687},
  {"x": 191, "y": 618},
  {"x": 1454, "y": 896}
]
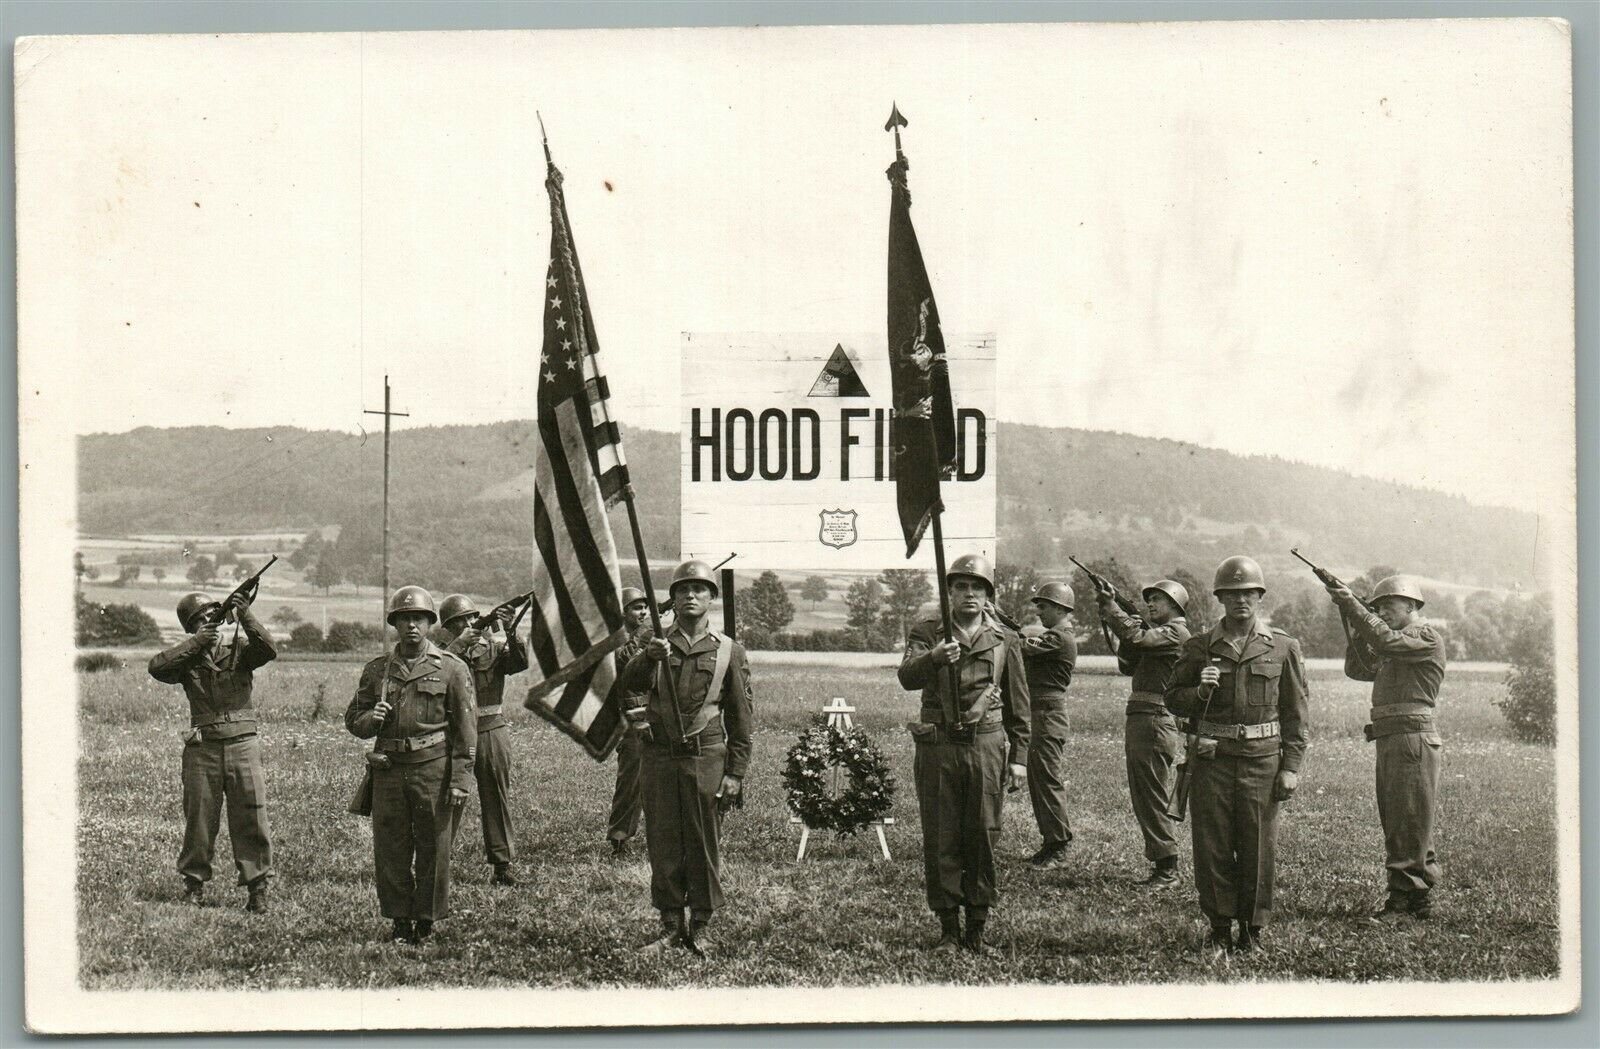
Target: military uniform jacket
[
  {"x": 1047, "y": 661},
  {"x": 633, "y": 647},
  {"x": 993, "y": 658},
  {"x": 219, "y": 697},
  {"x": 1148, "y": 652},
  {"x": 1406, "y": 667},
  {"x": 434, "y": 695},
  {"x": 692, "y": 664},
  {"x": 1264, "y": 682},
  {"x": 491, "y": 659}
]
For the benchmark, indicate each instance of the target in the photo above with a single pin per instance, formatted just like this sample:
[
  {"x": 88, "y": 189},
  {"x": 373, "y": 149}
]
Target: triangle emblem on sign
[{"x": 839, "y": 377}]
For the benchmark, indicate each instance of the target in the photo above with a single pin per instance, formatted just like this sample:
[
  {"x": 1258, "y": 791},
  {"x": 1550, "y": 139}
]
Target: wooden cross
[{"x": 839, "y": 712}]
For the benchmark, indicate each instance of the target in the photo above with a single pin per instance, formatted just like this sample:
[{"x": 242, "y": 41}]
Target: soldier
[
  {"x": 1147, "y": 651},
  {"x": 1404, "y": 658},
  {"x": 1048, "y": 658},
  {"x": 627, "y": 802},
  {"x": 696, "y": 752},
  {"x": 1245, "y": 683},
  {"x": 492, "y": 656},
  {"x": 222, "y": 752},
  {"x": 418, "y": 703},
  {"x": 962, "y": 760}
]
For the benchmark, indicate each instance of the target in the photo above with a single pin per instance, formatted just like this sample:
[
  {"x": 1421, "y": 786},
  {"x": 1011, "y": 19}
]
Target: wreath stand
[{"x": 839, "y": 712}]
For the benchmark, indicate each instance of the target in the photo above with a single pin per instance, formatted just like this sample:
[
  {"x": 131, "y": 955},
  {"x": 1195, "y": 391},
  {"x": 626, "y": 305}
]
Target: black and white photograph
[{"x": 795, "y": 525}]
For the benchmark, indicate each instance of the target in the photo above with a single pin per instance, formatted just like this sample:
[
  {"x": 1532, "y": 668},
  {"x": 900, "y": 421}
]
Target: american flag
[{"x": 577, "y": 624}]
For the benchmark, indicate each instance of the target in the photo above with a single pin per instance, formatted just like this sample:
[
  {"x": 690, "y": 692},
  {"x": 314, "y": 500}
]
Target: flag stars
[
  {"x": 556, "y": 302},
  {"x": 561, "y": 322},
  {"x": 549, "y": 376},
  {"x": 566, "y": 344},
  {"x": 572, "y": 363},
  {"x": 551, "y": 280}
]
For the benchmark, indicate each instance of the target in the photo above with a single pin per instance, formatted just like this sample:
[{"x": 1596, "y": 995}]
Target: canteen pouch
[
  {"x": 361, "y": 800},
  {"x": 378, "y": 761}
]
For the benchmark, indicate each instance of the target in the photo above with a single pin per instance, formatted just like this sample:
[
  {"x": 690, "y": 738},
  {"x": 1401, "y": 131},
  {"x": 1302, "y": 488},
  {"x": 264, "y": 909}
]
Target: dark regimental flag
[
  {"x": 924, "y": 418},
  {"x": 579, "y": 472}
]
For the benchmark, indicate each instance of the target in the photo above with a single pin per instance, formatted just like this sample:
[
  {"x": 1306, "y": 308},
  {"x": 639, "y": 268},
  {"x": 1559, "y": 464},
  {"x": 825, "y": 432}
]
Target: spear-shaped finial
[
  {"x": 544, "y": 139},
  {"x": 896, "y": 122}
]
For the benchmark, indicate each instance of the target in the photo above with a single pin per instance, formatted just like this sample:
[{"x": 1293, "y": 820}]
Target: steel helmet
[
  {"x": 975, "y": 566},
  {"x": 694, "y": 572},
  {"x": 1172, "y": 588},
  {"x": 455, "y": 605},
  {"x": 1239, "y": 573},
  {"x": 411, "y": 599},
  {"x": 1398, "y": 586},
  {"x": 630, "y": 594},
  {"x": 192, "y": 606},
  {"x": 1056, "y": 594}
]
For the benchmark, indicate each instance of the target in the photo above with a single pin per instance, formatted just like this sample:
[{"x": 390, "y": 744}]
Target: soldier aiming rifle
[{"x": 1102, "y": 585}]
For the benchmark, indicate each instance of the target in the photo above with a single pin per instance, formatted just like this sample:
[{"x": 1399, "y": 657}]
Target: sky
[{"x": 1341, "y": 243}]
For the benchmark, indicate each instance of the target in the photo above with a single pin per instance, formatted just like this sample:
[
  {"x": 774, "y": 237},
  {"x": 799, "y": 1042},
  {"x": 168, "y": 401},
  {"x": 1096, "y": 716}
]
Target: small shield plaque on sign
[{"x": 838, "y": 528}]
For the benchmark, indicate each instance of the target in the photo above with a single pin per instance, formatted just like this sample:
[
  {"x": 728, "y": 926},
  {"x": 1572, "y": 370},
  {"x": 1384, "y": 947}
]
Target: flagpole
[
  {"x": 895, "y": 123},
  {"x": 575, "y": 280}
]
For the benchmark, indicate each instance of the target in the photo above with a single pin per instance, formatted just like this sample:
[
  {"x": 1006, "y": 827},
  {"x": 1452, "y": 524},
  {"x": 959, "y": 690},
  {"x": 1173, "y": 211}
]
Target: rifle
[
  {"x": 248, "y": 589},
  {"x": 1327, "y": 578},
  {"x": 1005, "y": 618},
  {"x": 1178, "y": 804},
  {"x": 518, "y": 605},
  {"x": 666, "y": 606},
  {"x": 1102, "y": 583}
]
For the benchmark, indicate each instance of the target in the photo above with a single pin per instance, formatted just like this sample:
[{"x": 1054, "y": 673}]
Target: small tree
[
  {"x": 326, "y": 574},
  {"x": 766, "y": 604},
  {"x": 114, "y": 625},
  {"x": 306, "y": 552},
  {"x": 159, "y": 572},
  {"x": 91, "y": 573},
  {"x": 306, "y": 637},
  {"x": 864, "y": 603},
  {"x": 1529, "y": 704},
  {"x": 287, "y": 618},
  {"x": 814, "y": 589},
  {"x": 201, "y": 571},
  {"x": 905, "y": 591}
]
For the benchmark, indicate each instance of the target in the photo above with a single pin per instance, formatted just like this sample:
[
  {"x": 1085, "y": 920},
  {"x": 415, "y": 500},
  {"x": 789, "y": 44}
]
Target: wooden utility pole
[{"x": 383, "y": 595}]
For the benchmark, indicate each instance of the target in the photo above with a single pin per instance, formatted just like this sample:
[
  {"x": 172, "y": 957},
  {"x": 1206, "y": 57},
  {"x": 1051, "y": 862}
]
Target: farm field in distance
[{"x": 842, "y": 917}]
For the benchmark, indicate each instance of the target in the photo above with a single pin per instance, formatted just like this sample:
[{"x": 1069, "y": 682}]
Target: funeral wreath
[{"x": 815, "y": 764}]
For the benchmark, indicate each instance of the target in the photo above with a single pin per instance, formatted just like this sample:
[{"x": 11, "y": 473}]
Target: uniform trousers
[
  {"x": 492, "y": 769},
  {"x": 627, "y": 800},
  {"x": 681, "y": 826},
  {"x": 1047, "y": 772},
  {"x": 218, "y": 772},
  {"x": 1235, "y": 825},
  {"x": 413, "y": 826},
  {"x": 959, "y": 796},
  {"x": 1408, "y": 789},
  {"x": 1150, "y": 745}
]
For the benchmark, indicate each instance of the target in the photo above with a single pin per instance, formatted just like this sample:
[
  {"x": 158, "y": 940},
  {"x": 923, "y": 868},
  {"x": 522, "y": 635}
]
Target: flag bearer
[
  {"x": 1147, "y": 652},
  {"x": 971, "y": 743},
  {"x": 492, "y": 654},
  {"x": 627, "y": 799},
  {"x": 1247, "y": 684},
  {"x": 416, "y": 704},
  {"x": 1404, "y": 658},
  {"x": 1048, "y": 659},
  {"x": 222, "y": 751},
  {"x": 696, "y": 753}
]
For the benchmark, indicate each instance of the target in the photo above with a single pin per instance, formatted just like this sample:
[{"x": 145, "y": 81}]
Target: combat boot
[
  {"x": 1050, "y": 855},
  {"x": 949, "y": 931},
  {"x": 194, "y": 892},
  {"x": 973, "y": 940},
  {"x": 503, "y": 875},
  {"x": 698, "y": 938},
  {"x": 1422, "y": 904},
  {"x": 1394, "y": 910},
  {"x": 1249, "y": 937},
  {"x": 257, "y": 903},
  {"x": 669, "y": 935},
  {"x": 401, "y": 931},
  {"x": 1220, "y": 936},
  {"x": 421, "y": 930},
  {"x": 1163, "y": 874}
]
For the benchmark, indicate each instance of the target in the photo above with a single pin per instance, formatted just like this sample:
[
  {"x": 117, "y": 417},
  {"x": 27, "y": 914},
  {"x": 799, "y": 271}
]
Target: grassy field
[{"x": 839, "y": 918}]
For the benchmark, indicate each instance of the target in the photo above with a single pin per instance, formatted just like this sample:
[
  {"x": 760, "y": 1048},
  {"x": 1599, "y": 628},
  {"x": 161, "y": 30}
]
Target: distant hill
[{"x": 460, "y": 495}]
